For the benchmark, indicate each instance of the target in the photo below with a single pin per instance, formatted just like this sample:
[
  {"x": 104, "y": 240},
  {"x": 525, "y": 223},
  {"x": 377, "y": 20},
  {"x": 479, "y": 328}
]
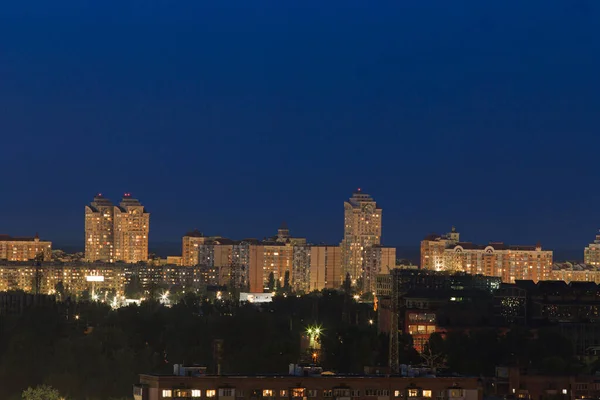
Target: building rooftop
[
  {"x": 7, "y": 238},
  {"x": 497, "y": 246}
]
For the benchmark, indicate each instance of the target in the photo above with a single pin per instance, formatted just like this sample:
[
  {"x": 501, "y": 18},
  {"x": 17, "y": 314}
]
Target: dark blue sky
[{"x": 231, "y": 116}]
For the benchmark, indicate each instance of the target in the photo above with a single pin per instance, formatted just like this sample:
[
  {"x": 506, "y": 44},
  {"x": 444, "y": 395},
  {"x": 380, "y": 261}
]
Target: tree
[
  {"x": 271, "y": 282},
  {"x": 433, "y": 352},
  {"x": 347, "y": 286},
  {"x": 60, "y": 289},
  {"x": 286, "y": 282},
  {"x": 133, "y": 288},
  {"x": 42, "y": 392}
]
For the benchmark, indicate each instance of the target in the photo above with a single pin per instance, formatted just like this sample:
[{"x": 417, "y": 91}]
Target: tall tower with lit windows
[
  {"x": 116, "y": 233},
  {"x": 362, "y": 231}
]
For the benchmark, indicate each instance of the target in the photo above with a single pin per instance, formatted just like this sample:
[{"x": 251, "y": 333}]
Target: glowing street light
[{"x": 165, "y": 296}]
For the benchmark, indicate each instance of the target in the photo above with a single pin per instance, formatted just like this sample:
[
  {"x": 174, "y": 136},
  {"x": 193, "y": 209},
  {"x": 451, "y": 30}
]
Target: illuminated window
[
  {"x": 196, "y": 393},
  {"x": 211, "y": 393},
  {"x": 298, "y": 392},
  {"x": 397, "y": 393},
  {"x": 426, "y": 393},
  {"x": 267, "y": 393},
  {"x": 413, "y": 392},
  {"x": 283, "y": 393},
  {"x": 167, "y": 393}
]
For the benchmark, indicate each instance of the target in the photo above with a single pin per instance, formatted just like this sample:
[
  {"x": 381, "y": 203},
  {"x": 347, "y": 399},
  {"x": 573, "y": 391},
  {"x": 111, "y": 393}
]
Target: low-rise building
[{"x": 193, "y": 383}]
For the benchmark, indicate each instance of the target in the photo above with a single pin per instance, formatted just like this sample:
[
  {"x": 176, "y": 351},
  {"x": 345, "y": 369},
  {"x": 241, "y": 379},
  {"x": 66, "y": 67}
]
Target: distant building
[
  {"x": 174, "y": 260},
  {"x": 569, "y": 272},
  {"x": 498, "y": 259},
  {"x": 132, "y": 225},
  {"x": 410, "y": 279},
  {"x": 325, "y": 267},
  {"x": 116, "y": 233},
  {"x": 190, "y": 243},
  {"x": 362, "y": 230},
  {"x": 433, "y": 247},
  {"x": 591, "y": 254},
  {"x": 24, "y": 248},
  {"x": 377, "y": 260},
  {"x": 446, "y": 253},
  {"x": 99, "y": 230}
]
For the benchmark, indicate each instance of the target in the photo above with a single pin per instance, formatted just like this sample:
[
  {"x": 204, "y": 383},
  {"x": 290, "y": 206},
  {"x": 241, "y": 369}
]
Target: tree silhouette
[
  {"x": 347, "y": 286},
  {"x": 271, "y": 282},
  {"x": 286, "y": 282}
]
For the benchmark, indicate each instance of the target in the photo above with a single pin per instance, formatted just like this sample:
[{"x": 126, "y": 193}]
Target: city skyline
[{"x": 406, "y": 250}]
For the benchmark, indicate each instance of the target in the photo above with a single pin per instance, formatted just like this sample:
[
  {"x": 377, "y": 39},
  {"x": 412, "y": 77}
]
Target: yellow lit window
[
  {"x": 426, "y": 393},
  {"x": 396, "y": 393},
  {"x": 211, "y": 393},
  {"x": 298, "y": 392},
  {"x": 166, "y": 393},
  {"x": 283, "y": 393},
  {"x": 267, "y": 393},
  {"x": 413, "y": 392},
  {"x": 196, "y": 393}
]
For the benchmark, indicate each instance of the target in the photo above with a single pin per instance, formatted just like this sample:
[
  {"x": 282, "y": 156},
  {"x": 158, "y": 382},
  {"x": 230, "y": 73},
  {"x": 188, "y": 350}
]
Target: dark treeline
[{"x": 88, "y": 351}]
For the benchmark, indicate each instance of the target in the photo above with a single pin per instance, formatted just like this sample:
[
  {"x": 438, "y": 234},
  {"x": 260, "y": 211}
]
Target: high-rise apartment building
[
  {"x": 362, "y": 230},
  {"x": 189, "y": 250},
  {"x": 591, "y": 254},
  {"x": 432, "y": 249},
  {"x": 325, "y": 267},
  {"x": 132, "y": 225},
  {"x": 116, "y": 233},
  {"x": 378, "y": 260},
  {"x": 24, "y": 248},
  {"x": 99, "y": 230}
]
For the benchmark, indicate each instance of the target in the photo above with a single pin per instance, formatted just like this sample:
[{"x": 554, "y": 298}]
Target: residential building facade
[
  {"x": 432, "y": 249},
  {"x": 362, "y": 230},
  {"x": 591, "y": 254},
  {"x": 189, "y": 248},
  {"x": 222, "y": 387},
  {"x": 116, "y": 233},
  {"x": 24, "y": 248},
  {"x": 498, "y": 259},
  {"x": 325, "y": 267}
]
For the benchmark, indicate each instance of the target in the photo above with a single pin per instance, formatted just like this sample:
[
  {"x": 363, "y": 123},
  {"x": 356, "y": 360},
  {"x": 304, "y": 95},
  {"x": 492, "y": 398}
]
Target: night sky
[{"x": 232, "y": 116}]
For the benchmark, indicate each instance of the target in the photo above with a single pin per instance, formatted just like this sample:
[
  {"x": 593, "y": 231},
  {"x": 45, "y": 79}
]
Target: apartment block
[
  {"x": 116, "y": 233},
  {"x": 189, "y": 250},
  {"x": 190, "y": 384},
  {"x": 362, "y": 230},
  {"x": 325, "y": 267},
  {"x": 591, "y": 254},
  {"x": 24, "y": 248},
  {"x": 432, "y": 249}
]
